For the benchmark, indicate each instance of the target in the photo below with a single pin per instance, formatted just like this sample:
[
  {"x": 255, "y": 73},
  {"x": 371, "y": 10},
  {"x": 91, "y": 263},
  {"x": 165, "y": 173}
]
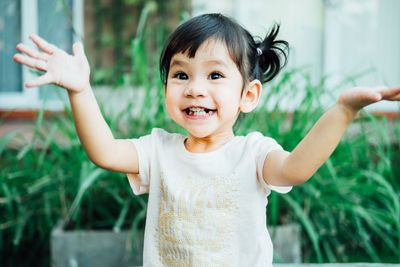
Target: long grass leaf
[
  {"x": 5, "y": 140},
  {"x": 88, "y": 181},
  {"x": 122, "y": 216},
  {"x": 307, "y": 224}
]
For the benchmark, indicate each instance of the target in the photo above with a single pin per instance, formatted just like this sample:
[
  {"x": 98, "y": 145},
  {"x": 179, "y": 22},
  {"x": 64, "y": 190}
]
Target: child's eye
[
  {"x": 181, "y": 76},
  {"x": 215, "y": 76}
]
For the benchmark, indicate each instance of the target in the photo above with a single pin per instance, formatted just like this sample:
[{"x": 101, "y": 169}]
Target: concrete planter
[
  {"x": 107, "y": 248},
  {"x": 287, "y": 243},
  {"x": 100, "y": 248}
]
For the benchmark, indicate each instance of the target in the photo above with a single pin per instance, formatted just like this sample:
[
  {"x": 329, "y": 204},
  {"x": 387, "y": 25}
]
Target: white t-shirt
[{"x": 204, "y": 209}]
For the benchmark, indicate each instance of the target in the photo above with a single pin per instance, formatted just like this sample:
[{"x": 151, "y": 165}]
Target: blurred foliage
[{"x": 110, "y": 27}]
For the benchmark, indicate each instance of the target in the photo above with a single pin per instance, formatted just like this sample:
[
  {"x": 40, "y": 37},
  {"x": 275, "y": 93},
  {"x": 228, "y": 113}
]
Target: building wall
[
  {"x": 363, "y": 37},
  {"x": 302, "y": 24}
]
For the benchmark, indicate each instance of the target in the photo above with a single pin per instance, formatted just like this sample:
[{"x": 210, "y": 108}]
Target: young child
[{"x": 207, "y": 190}]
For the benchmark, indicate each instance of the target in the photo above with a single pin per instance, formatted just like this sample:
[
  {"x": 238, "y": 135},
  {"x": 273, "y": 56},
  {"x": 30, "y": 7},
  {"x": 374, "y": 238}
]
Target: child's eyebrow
[
  {"x": 216, "y": 62},
  {"x": 212, "y": 62},
  {"x": 178, "y": 63}
]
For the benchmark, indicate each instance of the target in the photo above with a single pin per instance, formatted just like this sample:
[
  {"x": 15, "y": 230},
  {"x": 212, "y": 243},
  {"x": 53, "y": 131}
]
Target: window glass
[
  {"x": 55, "y": 25},
  {"x": 10, "y": 35}
]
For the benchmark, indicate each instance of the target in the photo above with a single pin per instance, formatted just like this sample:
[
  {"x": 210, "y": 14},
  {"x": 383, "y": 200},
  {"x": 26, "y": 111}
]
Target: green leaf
[{"x": 4, "y": 140}]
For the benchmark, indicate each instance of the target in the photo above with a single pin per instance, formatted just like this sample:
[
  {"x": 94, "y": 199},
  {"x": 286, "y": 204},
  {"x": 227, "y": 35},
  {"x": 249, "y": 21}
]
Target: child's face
[{"x": 203, "y": 93}]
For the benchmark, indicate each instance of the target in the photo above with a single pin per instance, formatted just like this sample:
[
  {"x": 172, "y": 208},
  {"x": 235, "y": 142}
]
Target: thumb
[
  {"x": 77, "y": 49},
  {"x": 374, "y": 96}
]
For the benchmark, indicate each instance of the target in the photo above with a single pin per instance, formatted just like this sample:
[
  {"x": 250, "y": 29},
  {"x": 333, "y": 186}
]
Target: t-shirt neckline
[{"x": 207, "y": 155}]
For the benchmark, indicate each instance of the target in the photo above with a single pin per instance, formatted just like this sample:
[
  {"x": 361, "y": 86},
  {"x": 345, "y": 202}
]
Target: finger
[
  {"x": 39, "y": 81},
  {"x": 31, "y": 62},
  {"x": 389, "y": 92},
  {"x": 43, "y": 44},
  {"x": 372, "y": 96},
  {"x": 77, "y": 48},
  {"x": 394, "y": 98},
  {"x": 32, "y": 53},
  {"x": 366, "y": 95}
]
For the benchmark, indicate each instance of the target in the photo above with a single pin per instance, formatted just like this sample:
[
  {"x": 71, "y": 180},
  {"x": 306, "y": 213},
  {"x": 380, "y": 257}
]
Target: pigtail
[{"x": 271, "y": 56}]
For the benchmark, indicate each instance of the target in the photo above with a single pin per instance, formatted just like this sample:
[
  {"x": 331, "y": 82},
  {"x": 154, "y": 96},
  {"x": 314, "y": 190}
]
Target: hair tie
[{"x": 259, "y": 51}]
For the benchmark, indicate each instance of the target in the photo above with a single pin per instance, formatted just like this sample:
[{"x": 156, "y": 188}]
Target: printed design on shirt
[{"x": 196, "y": 221}]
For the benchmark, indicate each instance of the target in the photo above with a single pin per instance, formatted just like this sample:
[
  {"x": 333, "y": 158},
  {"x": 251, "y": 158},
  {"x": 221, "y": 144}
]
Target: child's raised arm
[
  {"x": 72, "y": 73},
  {"x": 296, "y": 167}
]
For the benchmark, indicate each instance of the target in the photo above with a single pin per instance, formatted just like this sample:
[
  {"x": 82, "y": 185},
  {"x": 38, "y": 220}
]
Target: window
[
  {"x": 58, "y": 21},
  {"x": 10, "y": 31}
]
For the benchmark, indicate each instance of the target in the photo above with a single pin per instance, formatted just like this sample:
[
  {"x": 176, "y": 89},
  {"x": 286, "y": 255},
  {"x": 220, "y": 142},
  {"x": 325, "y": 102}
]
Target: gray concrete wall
[{"x": 108, "y": 248}]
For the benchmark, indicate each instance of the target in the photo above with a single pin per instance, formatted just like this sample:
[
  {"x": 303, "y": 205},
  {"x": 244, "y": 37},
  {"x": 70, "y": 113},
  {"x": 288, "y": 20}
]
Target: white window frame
[{"x": 29, "y": 99}]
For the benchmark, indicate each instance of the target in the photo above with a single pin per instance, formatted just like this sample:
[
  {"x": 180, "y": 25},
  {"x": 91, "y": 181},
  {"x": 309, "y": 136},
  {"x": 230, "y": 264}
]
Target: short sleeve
[
  {"x": 140, "y": 182},
  {"x": 262, "y": 146}
]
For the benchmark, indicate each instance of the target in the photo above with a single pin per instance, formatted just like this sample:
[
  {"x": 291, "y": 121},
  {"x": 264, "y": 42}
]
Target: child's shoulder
[
  {"x": 163, "y": 135},
  {"x": 254, "y": 136},
  {"x": 158, "y": 138},
  {"x": 257, "y": 140}
]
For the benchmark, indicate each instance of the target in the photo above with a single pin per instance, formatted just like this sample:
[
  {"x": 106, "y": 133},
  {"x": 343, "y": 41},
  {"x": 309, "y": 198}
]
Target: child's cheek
[
  {"x": 168, "y": 105},
  {"x": 172, "y": 101}
]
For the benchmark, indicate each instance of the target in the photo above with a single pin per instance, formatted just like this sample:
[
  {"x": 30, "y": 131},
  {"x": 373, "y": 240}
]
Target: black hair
[{"x": 258, "y": 58}]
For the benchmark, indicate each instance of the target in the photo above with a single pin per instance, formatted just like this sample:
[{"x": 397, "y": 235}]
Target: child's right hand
[{"x": 68, "y": 71}]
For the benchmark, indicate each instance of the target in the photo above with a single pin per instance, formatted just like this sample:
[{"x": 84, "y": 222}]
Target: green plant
[{"x": 119, "y": 23}]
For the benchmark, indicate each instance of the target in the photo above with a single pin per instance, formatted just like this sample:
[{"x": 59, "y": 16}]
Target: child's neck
[{"x": 207, "y": 144}]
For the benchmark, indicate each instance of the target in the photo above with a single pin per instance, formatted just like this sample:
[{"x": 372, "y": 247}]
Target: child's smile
[{"x": 198, "y": 113}]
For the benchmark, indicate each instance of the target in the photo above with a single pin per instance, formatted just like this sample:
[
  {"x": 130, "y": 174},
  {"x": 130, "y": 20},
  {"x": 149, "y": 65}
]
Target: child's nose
[{"x": 195, "y": 89}]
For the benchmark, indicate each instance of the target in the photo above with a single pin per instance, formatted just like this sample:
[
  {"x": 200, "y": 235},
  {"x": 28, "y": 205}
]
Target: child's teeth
[{"x": 197, "y": 111}]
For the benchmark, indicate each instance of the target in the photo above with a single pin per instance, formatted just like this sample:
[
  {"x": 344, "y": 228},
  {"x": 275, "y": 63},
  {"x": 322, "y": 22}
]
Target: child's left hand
[{"x": 359, "y": 97}]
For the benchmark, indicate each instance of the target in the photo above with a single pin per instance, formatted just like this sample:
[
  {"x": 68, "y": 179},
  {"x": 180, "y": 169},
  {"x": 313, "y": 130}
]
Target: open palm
[
  {"x": 359, "y": 97},
  {"x": 68, "y": 71}
]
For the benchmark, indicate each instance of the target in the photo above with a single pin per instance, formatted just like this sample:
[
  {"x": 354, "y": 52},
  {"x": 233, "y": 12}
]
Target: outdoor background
[{"x": 348, "y": 212}]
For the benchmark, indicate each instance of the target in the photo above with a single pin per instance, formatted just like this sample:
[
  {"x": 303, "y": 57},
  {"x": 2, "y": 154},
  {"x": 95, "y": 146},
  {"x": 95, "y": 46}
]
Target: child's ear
[{"x": 250, "y": 96}]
